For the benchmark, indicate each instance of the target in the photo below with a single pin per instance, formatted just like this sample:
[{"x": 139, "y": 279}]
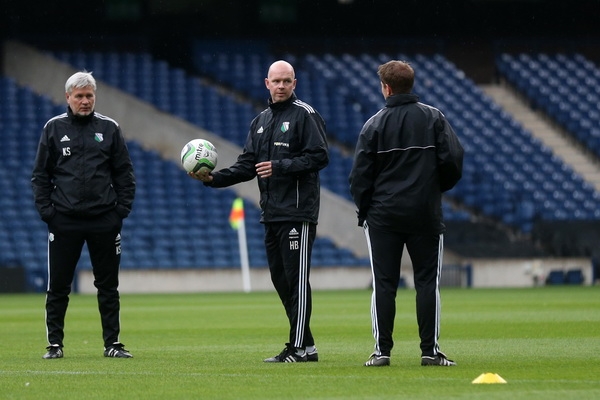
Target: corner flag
[
  {"x": 236, "y": 216},
  {"x": 236, "y": 220}
]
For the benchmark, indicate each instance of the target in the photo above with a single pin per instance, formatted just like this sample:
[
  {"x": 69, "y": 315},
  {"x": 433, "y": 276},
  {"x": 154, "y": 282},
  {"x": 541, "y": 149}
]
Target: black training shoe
[
  {"x": 439, "y": 360},
  {"x": 117, "y": 350},
  {"x": 312, "y": 356},
  {"x": 288, "y": 355},
  {"x": 54, "y": 351},
  {"x": 377, "y": 361}
]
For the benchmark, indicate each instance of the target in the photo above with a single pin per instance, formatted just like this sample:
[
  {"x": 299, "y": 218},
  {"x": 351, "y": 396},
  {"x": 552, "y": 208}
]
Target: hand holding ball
[{"x": 199, "y": 155}]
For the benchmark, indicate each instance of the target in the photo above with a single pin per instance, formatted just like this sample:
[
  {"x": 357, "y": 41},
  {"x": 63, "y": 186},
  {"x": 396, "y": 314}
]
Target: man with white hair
[{"x": 83, "y": 186}]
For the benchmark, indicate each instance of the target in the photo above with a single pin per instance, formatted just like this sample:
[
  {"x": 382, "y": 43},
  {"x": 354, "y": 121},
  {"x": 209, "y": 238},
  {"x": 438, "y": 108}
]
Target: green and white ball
[{"x": 198, "y": 154}]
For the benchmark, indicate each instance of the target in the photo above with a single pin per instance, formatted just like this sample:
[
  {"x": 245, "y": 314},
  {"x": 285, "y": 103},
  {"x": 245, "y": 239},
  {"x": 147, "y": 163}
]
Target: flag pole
[{"x": 244, "y": 256}]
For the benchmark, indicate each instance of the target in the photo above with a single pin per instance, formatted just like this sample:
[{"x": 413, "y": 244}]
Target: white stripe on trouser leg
[
  {"x": 438, "y": 301},
  {"x": 47, "y": 289},
  {"x": 374, "y": 320},
  {"x": 302, "y": 285}
]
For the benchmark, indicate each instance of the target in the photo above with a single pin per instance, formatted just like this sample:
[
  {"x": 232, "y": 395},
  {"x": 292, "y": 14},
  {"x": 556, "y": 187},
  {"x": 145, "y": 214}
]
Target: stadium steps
[{"x": 546, "y": 131}]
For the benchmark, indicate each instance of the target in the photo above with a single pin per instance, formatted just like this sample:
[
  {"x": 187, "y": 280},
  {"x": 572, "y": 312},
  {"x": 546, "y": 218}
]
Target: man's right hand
[{"x": 202, "y": 175}]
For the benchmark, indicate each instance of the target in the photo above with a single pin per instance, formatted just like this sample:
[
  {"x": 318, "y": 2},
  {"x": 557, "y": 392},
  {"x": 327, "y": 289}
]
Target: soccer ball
[{"x": 198, "y": 154}]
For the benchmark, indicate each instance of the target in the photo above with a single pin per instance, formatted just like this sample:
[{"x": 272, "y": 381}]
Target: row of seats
[
  {"x": 564, "y": 87},
  {"x": 169, "y": 89}
]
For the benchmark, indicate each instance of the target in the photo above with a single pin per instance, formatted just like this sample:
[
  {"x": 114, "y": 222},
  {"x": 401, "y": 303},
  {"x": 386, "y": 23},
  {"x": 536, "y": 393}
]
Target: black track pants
[
  {"x": 425, "y": 251},
  {"x": 289, "y": 248},
  {"x": 65, "y": 243}
]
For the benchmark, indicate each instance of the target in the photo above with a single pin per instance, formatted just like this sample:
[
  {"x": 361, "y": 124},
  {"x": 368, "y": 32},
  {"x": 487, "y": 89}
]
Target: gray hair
[{"x": 80, "y": 80}]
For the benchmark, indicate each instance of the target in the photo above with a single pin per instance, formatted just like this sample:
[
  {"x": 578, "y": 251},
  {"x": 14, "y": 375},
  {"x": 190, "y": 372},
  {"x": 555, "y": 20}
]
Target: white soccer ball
[{"x": 198, "y": 154}]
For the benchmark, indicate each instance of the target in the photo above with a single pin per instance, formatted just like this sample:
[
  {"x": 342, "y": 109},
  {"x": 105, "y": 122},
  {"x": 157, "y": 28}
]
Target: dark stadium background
[
  {"x": 470, "y": 33},
  {"x": 466, "y": 31}
]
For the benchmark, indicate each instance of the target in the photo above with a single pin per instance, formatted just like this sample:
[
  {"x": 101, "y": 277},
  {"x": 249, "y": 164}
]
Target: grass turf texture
[{"x": 543, "y": 341}]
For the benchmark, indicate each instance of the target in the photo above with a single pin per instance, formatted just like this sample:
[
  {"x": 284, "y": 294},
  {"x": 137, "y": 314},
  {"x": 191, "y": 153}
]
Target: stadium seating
[
  {"x": 160, "y": 232},
  {"x": 564, "y": 87},
  {"x": 211, "y": 108},
  {"x": 509, "y": 189},
  {"x": 508, "y": 175}
]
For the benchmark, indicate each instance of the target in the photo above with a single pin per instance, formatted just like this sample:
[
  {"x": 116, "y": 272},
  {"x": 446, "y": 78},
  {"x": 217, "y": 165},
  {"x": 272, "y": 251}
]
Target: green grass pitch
[{"x": 543, "y": 341}]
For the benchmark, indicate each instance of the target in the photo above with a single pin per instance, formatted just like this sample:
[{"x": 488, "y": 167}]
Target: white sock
[{"x": 310, "y": 349}]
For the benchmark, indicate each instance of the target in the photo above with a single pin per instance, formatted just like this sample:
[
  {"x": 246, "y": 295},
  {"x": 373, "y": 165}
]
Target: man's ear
[{"x": 388, "y": 89}]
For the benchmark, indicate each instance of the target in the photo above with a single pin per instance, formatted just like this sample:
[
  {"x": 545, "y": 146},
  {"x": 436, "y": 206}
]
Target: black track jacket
[
  {"x": 82, "y": 168},
  {"x": 290, "y": 134},
  {"x": 407, "y": 154}
]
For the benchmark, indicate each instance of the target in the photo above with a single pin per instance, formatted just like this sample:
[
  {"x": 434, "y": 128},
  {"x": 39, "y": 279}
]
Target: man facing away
[{"x": 406, "y": 156}]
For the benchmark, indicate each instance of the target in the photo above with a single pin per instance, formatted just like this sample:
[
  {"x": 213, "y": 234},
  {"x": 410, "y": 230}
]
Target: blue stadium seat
[
  {"x": 574, "y": 276},
  {"x": 555, "y": 277}
]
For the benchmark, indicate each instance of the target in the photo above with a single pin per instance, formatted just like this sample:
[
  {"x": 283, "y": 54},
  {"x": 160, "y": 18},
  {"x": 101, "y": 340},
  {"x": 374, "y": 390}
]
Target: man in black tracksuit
[
  {"x": 407, "y": 154},
  {"x": 286, "y": 147},
  {"x": 84, "y": 186}
]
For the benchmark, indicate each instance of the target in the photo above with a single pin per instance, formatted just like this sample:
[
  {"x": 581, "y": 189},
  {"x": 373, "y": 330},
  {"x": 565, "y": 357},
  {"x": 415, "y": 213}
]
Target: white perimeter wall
[
  {"x": 524, "y": 273},
  {"x": 485, "y": 274}
]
